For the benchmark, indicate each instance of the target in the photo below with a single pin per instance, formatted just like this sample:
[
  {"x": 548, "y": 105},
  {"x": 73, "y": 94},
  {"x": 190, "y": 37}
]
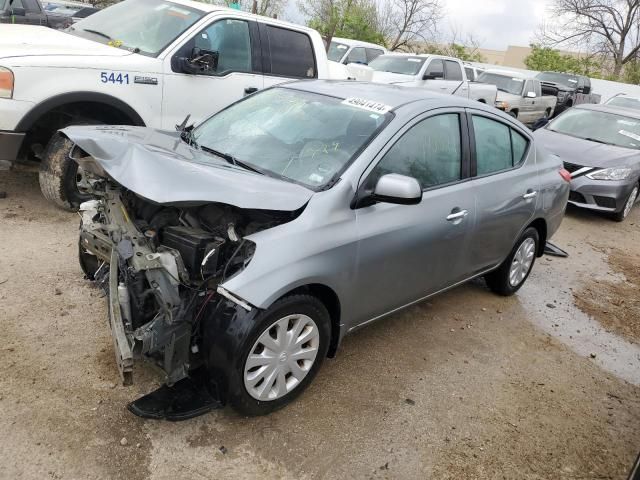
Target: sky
[{"x": 494, "y": 24}]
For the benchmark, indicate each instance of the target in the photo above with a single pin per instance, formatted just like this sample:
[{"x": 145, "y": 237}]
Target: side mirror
[
  {"x": 200, "y": 61},
  {"x": 531, "y": 95},
  {"x": 17, "y": 11},
  {"x": 395, "y": 188},
  {"x": 433, "y": 76}
]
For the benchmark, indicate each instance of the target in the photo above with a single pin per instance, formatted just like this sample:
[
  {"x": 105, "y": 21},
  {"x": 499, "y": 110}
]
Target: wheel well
[
  {"x": 515, "y": 112},
  {"x": 332, "y": 303},
  {"x": 482, "y": 100},
  {"x": 47, "y": 122},
  {"x": 548, "y": 110},
  {"x": 541, "y": 226},
  {"x": 570, "y": 103}
]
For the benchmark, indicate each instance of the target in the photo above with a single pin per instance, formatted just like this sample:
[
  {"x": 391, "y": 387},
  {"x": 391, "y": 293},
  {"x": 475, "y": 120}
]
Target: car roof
[
  {"x": 626, "y": 95},
  {"x": 598, "y": 107},
  {"x": 356, "y": 43},
  {"x": 393, "y": 96},
  {"x": 508, "y": 73}
]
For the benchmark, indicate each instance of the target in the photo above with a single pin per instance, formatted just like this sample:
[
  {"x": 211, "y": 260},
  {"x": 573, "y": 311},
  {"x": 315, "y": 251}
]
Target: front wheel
[
  {"x": 62, "y": 180},
  {"x": 628, "y": 205},
  {"x": 515, "y": 270}
]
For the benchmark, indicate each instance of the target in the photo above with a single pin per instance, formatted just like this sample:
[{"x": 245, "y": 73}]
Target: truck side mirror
[
  {"x": 433, "y": 76},
  {"x": 200, "y": 61},
  {"x": 17, "y": 11}
]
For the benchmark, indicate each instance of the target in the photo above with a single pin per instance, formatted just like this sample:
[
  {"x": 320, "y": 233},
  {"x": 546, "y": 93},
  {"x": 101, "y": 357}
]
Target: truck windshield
[
  {"x": 298, "y": 136},
  {"x": 336, "y": 51},
  {"x": 141, "y": 26},
  {"x": 626, "y": 102},
  {"x": 601, "y": 127},
  {"x": 402, "y": 65},
  {"x": 570, "y": 81},
  {"x": 503, "y": 83}
]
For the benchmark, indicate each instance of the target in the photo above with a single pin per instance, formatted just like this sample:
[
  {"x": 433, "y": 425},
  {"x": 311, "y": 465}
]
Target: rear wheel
[
  {"x": 628, "y": 205},
  {"x": 515, "y": 270},
  {"x": 62, "y": 180}
]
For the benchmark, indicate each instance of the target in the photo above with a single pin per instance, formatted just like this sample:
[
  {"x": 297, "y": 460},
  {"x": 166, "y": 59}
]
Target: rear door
[
  {"x": 505, "y": 180},
  {"x": 409, "y": 251},
  {"x": 287, "y": 54},
  {"x": 528, "y": 106},
  {"x": 34, "y": 14}
]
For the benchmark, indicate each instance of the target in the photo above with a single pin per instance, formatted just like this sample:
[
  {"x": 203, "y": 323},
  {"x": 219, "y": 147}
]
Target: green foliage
[
  {"x": 356, "y": 19},
  {"x": 632, "y": 72},
  {"x": 548, "y": 59},
  {"x": 466, "y": 54}
]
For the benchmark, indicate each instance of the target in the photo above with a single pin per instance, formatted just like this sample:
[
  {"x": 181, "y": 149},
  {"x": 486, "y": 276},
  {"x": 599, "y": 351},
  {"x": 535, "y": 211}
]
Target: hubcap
[
  {"x": 522, "y": 261},
  {"x": 630, "y": 202},
  {"x": 281, "y": 357}
]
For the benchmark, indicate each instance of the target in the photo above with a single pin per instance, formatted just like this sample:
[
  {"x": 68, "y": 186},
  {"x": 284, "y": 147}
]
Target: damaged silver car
[{"x": 237, "y": 254}]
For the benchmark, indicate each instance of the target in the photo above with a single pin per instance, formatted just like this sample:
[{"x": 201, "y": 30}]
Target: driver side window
[
  {"x": 430, "y": 152},
  {"x": 230, "y": 38}
]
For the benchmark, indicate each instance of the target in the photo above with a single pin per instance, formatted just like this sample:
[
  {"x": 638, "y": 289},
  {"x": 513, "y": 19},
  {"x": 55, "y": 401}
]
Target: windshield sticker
[
  {"x": 342, "y": 47},
  {"x": 572, "y": 80},
  {"x": 629, "y": 134},
  {"x": 517, "y": 79},
  {"x": 416, "y": 60},
  {"x": 369, "y": 105}
]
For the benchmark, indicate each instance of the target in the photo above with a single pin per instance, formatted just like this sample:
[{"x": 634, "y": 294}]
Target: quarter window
[
  {"x": 291, "y": 53},
  {"x": 230, "y": 38},
  {"x": 430, "y": 152},
  {"x": 498, "y": 147}
]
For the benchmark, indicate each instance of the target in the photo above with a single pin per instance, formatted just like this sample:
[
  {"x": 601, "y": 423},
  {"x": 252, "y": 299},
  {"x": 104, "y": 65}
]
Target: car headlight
[
  {"x": 502, "y": 105},
  {"x": 6, "y": 83},
  {"x": 610, "y": 174}
]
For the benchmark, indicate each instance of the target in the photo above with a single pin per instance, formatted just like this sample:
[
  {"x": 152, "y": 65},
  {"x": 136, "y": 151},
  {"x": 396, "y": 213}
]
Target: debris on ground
[{"x": 124, "y": 441}]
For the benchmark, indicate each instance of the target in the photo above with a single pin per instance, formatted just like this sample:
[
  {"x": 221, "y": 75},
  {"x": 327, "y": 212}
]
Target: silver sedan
[{"x": 249, "y": 246}]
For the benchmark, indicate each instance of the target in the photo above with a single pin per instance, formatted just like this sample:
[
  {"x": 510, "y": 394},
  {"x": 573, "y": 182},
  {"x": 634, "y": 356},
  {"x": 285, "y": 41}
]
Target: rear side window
[
  {"x": 498, "y": 147},
  {"x": 452, "y": 70},
  {"x": 373, "y": 53},
  {"x": 357, "y": 55},
  {"x": 291, "y": 53},
  {"x": 430, "y": 152}
]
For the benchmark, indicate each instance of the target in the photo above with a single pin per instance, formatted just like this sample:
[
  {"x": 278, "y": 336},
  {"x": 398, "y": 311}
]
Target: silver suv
[{"x": 249, "y": 246}]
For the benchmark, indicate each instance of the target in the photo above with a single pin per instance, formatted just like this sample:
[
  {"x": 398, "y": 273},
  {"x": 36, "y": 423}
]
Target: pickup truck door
[
  {"x": 287, "y": 54},
  {"x": 33, "y": 13},
  {"x": 530, "y": 106},
  {"x": 238, "y": 71}
]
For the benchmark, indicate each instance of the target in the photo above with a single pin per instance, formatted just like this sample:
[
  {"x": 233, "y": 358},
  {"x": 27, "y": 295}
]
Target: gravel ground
[{"x": 468, "y": 385}]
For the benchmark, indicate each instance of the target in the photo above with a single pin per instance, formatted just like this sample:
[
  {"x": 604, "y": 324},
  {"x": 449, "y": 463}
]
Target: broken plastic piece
[
  {"x": 188, "y": 398},
  {"x": 551, "y": 249}
]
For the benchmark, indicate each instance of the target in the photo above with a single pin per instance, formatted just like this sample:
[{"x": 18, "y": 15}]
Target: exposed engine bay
[{"x": 161, "y": 264}]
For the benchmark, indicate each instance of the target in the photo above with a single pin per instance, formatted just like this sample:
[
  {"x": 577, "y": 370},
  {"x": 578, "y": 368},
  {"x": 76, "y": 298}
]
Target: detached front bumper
[
  {"x": 601, "y": 195},
  {"x": 10, "y": 144}
]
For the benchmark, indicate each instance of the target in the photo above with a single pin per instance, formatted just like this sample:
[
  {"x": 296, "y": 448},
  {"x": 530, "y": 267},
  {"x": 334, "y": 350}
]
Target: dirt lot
[{"x": 469, "y": 385}]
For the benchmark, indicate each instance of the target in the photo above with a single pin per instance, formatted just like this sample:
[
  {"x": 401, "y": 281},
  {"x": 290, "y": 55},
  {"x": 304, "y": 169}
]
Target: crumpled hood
[
  {"x": 389, "y": 77},
  {"x": 160, "y": 167},
  {"x": 584, "y": 152},
  {"x": 30, "y": 40}
]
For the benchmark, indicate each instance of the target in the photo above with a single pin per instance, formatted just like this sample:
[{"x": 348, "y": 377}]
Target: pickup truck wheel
[
  {"x": 279, "y": 356},
  {"x": 61, "y": 179},
  {"x": 514, "y": 271}
]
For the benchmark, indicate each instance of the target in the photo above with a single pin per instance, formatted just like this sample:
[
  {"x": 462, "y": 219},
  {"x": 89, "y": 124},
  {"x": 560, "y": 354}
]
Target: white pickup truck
[
  {"x": 431, "y": 72},
  {"x": 170, "y": 58}
]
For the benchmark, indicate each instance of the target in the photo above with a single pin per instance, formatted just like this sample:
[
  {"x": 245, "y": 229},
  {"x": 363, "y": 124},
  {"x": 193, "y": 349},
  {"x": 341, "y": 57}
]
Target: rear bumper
[
  {"x": 10, "y": 144},
  {"x": 601, "y": 195}
]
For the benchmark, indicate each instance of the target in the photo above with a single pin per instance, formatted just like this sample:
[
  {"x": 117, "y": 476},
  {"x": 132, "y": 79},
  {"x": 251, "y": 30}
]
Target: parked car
[
  {"x": 624, "y": 100},
  {"x": 600, "y": 146},
  {"x": 519, "y": 96},
  {"x": 430, "y": 72},
  {"x": 570, "y": 89},
  {"x": 30, "y": 12},
  {"x": 170, "y": 59},
  {"x": 252, "y": 244},
  {"x": 346, "y": 50}
]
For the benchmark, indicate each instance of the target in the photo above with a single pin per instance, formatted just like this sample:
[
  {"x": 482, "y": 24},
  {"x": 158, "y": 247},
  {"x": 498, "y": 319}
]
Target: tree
[
  {"x": 607, "y": 27},
  {"x": 464, "y": 53},
  {"x": 407, "y": 22},
  {"x": 548, "y": 59}
]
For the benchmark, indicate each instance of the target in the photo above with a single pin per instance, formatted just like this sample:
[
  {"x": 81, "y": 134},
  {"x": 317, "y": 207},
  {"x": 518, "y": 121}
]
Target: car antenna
[{"x": 183, "y": 125}]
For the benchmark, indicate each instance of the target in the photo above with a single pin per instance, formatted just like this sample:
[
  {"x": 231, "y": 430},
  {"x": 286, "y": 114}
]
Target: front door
[
  {"x": 506, "y": 187},
  {"x": 406, "y": 252},
  {"x": 236, "y": 75}
]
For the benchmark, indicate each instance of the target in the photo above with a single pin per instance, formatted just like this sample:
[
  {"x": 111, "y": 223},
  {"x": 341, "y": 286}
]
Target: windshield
[
  {"x": 601, "y": 127},
  {"x": 299, "y": 136},
  {"x": 337, "y": 51},
  {"x": 626, "y": 102},
  {"x": 143, "y": 26},
  {"x": 570, "y": 81},
  {"x": 503, "y": 83},
  {"x": 402, "y": 65}
]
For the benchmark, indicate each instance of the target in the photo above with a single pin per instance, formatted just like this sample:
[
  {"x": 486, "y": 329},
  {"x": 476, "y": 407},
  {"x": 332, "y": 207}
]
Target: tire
[
  {"x": 499, "y": 281},
  {"x": 240, "y": 396},
  {"x": 628, "y": 204},
  {"x": 58, "y": 175},
  {"x": 512, "y": 114}
]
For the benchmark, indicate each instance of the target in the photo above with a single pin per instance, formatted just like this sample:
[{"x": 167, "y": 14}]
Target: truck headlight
[
  {"x": 502, "y": 105},
  {"x": 620, "y": 173},
  {"x": 6, "y": 83}
]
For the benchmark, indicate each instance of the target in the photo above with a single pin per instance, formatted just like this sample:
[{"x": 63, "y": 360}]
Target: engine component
[{"x": 194, "y": 246}]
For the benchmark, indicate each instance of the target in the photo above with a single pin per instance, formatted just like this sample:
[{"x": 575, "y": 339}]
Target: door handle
[
  {"x": 457, "y": 215},
  {"x": 443, "y": 88},
  {"x": 250, "y": 90},
  {"x": 529, "y": 195}
]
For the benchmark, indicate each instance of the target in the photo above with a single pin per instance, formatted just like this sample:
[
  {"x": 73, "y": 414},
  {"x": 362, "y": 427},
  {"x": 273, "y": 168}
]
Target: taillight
[{"x": 564, "y": 173}]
